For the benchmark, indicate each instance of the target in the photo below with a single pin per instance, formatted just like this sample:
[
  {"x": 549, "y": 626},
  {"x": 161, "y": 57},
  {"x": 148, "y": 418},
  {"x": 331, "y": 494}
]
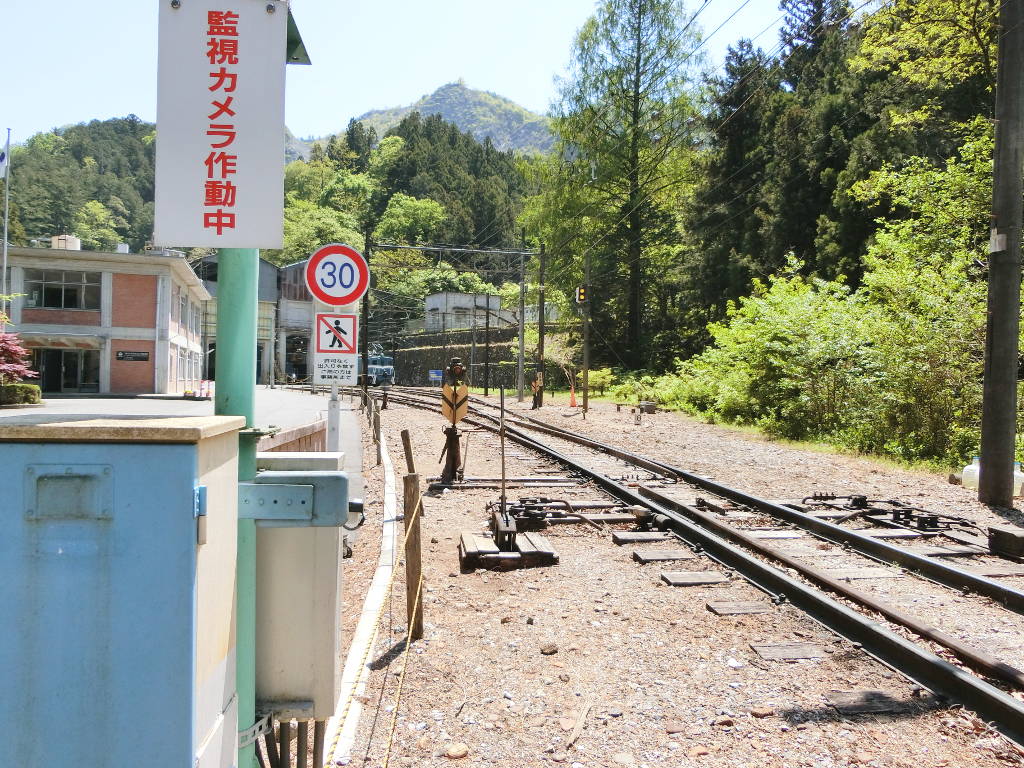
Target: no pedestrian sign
[
  {"x": 337, "y": 275},
  {"x": 336, "y": 345},
  {"x": 336, "y": 334}
]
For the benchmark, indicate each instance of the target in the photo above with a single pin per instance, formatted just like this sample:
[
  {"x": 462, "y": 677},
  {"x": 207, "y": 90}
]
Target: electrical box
[
  {"x": 117, "y": 577},
  {"x": 298, "y": 587}
]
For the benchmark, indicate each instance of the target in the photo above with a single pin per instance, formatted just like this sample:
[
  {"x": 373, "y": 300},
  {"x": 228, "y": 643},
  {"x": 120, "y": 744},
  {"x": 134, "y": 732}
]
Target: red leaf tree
[{"x": 13, "y": 360}]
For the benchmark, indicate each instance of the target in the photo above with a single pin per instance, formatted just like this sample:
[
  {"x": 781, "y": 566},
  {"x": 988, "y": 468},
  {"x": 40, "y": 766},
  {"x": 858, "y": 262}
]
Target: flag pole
[{"x": 7, "y": 210}]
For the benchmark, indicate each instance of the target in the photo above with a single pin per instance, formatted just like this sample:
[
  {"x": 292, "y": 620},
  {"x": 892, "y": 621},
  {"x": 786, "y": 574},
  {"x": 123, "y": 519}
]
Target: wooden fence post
[
  {"x": 413, "y": 558},
  {"x": 407, "y": 445},
  {"x": 376, "y": 434}
]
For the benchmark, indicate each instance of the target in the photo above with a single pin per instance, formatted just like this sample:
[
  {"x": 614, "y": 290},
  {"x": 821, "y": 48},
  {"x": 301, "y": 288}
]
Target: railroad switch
[
  {"x": 513, "y": 542},
  {"x": 888, "y": 512}
]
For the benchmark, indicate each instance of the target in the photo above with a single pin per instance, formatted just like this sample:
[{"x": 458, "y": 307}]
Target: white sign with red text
[{"x": 220, "y": 124}]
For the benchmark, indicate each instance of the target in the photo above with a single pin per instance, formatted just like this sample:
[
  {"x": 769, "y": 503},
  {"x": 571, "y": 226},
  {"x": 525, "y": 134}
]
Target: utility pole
[
  {"x": 472, "y": 343},
  {"x": 586, "y": 335},
  {"x": 444, "y": 330},
  {"x": 487, "y": 344},
  {"x": 364, "y": 340},
  {"x": 521, "y": 363},
  {"x": 999, "y": 399},
  {"x": 540, "y": 328}
]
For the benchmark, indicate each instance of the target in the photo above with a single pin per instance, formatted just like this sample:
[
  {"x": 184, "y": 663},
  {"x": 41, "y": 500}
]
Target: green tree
[
  {"x": 360, "y": 141},
  {"x": 307, "y": 227},
  {"x": 409, "y": 220},
  {"x": 95, "y": 225},
  {"x": 723, "y": 218},
  {"x": 54, "y": 174},
  {"x": 624, "y": 112},
  {"x": 935, "y": 45}
]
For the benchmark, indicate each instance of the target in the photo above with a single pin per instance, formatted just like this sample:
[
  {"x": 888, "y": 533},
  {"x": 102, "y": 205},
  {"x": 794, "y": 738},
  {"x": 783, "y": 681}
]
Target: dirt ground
[{"x": 595, "y": 651}]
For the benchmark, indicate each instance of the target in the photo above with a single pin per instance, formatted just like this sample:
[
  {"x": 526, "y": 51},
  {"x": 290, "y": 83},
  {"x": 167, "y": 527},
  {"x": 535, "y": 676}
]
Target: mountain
[
  {"x": 481, "y": 113},
  {"x": 294, "y": 147}
]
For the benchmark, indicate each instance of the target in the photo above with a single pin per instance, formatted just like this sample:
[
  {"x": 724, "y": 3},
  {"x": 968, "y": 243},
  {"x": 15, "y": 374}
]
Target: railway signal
[
  {"x": 581, "y": 294},
  {"x": 454, "y": 407}
]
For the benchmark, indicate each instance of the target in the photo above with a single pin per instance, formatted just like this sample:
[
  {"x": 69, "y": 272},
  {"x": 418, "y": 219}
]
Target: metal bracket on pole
[
  {"x": 277, "y": 502},
  {"x": 264, "y": 725},
  {"x": 296, "y": 499}
]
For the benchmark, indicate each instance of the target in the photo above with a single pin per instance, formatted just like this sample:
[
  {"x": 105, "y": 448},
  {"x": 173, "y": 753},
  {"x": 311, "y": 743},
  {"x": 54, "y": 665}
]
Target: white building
[{"x": 450, "y": 311}]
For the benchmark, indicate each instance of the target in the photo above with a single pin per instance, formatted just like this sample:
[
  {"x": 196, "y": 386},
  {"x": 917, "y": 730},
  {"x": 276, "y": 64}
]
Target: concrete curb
[{"x": 357, "y": 671}]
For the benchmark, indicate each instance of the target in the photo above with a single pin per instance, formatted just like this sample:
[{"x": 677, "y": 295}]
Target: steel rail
[
  {"x": 940, "y": 676},
  {"x": 948, "y": 575},
  {"x": 976, "y": 658}
]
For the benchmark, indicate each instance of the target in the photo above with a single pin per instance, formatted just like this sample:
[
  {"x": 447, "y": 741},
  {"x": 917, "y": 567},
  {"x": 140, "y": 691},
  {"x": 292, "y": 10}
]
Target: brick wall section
[
  {"x": 131, "y": 377},
  {"x": 60, "y": 316},
  {"x": 134, "y": 301}
]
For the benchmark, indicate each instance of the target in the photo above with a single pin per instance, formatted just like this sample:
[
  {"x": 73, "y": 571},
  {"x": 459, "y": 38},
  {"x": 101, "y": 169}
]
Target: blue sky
[{"x": 66, "y": 61}]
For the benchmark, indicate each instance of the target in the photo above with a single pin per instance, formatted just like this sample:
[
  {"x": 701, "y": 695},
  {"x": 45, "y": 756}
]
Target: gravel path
[{"x": 642, "y": 674}]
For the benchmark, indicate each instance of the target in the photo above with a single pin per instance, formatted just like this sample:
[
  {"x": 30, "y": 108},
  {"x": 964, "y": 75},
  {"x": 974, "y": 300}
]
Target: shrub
[
  {"x": 19, "y": 394},
  {"x": 13, "y": 367},
  {"x": 599, "y": 379}
]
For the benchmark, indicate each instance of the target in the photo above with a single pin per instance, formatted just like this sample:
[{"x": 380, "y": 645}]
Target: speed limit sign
[{"x": 337, "y": 275}]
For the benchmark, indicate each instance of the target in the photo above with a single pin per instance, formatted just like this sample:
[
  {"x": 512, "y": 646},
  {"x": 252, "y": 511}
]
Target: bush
[
  {"x": 19, "y": 394},
  {"x": 599, "y": 379}
]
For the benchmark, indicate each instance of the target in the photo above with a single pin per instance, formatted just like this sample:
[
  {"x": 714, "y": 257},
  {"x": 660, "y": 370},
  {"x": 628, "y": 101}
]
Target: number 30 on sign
[{"x": 337, "y": 275}]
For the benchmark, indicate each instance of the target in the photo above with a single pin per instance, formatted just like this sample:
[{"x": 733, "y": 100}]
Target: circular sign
[{"x": 337, "y": 275}]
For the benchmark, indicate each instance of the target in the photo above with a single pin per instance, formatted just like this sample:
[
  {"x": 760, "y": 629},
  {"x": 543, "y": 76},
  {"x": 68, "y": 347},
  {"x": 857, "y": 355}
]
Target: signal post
[{"x": 454, "y": 407}]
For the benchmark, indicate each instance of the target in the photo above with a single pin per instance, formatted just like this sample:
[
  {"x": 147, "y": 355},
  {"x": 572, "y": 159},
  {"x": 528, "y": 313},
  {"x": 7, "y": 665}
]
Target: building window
[
  {"x": 55, "y": 289},
  {"x": 183, "y": 311}
]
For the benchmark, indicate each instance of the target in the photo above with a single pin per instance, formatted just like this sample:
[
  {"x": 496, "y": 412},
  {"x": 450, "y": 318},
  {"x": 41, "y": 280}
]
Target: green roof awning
[{"x": 295, "y": 52}]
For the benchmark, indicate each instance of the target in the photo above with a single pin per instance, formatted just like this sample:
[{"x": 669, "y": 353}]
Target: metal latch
[{"x": 270, "y": 503}]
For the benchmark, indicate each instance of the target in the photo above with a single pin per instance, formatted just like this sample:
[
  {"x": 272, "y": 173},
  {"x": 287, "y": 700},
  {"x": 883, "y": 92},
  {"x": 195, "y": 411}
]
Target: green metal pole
[{"x": 237, "y": 310}]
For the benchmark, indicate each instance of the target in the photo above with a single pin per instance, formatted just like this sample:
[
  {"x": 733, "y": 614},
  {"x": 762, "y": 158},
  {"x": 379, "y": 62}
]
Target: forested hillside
[
  {"x": 95, "y": 180},
  {"x": 423, "y": 182}
]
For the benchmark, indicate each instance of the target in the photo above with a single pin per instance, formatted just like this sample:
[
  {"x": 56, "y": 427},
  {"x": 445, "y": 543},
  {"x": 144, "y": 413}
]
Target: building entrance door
[
  {"x": 48, "y": 363},
  {"x": 68, "y": 370}
]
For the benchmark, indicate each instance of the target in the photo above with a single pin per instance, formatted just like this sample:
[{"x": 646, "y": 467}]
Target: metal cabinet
[
  {"x": 298, "y": 591},
  {"x": 119, "y": 640}
]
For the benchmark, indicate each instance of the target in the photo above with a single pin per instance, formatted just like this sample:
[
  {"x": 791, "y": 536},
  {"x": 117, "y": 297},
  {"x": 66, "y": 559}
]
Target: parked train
[{"x": 381, "y": 369}]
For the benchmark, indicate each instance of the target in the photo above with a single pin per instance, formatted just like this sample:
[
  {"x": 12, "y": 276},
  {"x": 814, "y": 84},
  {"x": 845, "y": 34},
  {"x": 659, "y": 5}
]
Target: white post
[
  {"x": 7, "y": 208},
  {"x": 334, "y": 420}
]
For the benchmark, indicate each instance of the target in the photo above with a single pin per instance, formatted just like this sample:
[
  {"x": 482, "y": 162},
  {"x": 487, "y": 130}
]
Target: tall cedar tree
[
  {"x": 723, "y": 220},
  {"x": 624, "y": 112}
]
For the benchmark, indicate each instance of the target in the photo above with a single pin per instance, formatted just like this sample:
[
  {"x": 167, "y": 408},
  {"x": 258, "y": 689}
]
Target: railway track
[{"x": 743, "y": 532}]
